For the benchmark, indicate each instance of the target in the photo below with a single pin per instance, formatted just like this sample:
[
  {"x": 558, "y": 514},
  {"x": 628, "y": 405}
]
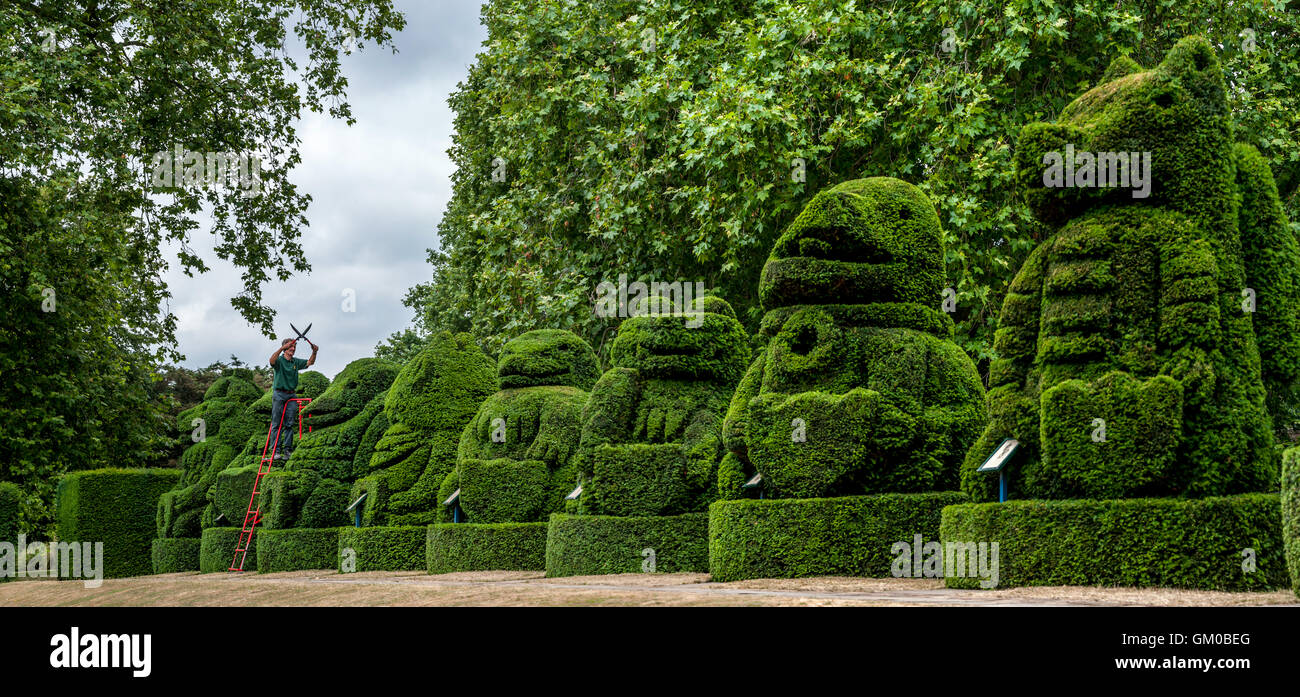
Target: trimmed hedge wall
[
  {"x": 217, "y": 550},
  {"x": 1175, "y": 543},
  {"x": 296, "y": 549},
  {"x": 1291, "y": 514},
  {"x": 794, "y": 538},
  {"x": 486, "y": 547},
  {"x": 116, "y": 507},
  {"x": 385, "y": 548},
  {"x": 588, "y": 545},
  {"x": 173, "y": 554}
]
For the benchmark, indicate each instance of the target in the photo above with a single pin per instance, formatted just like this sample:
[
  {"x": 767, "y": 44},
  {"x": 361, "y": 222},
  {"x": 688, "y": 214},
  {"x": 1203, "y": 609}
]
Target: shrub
[
  {"x": 384, "y": 548},
  {"x": 431, "y": 400},
  {"x": 1178, "y": 543},
  {"x": 116, "y": 507},
  {"x": 486, "y": 547},
  {"x": 10, "y": 498},
  {"x": 793, "y": 538},
  {"x": 173, "y": 554},
  {"x": 217, "y": 549},
  {"x": 1131, "y": 317},
  {"x": 586, "y": 545},
  {"x": 297, "y": 548},
  {"x": 1291, "y": 514}
]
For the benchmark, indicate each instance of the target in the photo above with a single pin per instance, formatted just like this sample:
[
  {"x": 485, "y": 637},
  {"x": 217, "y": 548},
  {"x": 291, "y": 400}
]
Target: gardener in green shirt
[{"x": 285, "y": 388}]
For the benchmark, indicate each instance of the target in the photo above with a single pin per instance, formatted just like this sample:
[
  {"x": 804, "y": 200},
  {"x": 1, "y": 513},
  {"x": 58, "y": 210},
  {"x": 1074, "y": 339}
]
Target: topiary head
[
  {"x": 862, "y": 241},
  {"x": 1168, "y": 128},
  {"x": 233, "y": 388},
  {"x": 442, "y": 385},
  {"x": 547, "y": 357},
  {"x": 705, "y": 343},
  {"x": 350, "y": 391}
]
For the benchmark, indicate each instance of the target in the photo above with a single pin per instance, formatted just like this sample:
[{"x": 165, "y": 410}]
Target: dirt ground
[{"x": 522, "y": 588}]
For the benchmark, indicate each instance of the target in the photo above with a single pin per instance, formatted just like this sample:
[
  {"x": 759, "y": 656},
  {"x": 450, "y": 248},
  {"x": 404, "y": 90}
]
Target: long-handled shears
[{"x": 302, "y": 334}]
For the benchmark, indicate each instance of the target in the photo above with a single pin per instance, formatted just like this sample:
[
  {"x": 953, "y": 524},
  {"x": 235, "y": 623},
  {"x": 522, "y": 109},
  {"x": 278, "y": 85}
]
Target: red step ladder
[{"x": 254, "y": 514}]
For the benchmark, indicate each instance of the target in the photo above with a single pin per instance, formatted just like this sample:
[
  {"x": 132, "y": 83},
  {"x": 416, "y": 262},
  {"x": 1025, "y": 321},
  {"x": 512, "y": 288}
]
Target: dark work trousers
[{"x": 278, "y": 401}]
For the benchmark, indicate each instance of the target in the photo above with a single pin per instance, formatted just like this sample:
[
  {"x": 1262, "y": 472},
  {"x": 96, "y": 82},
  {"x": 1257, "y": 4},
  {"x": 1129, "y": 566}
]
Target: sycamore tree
[
  {"x": 672, "y": 140},
  {"x": 128, "y": 127}
]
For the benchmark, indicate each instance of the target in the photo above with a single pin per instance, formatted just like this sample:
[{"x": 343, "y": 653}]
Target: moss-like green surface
[{"x": 486, "y": 547}]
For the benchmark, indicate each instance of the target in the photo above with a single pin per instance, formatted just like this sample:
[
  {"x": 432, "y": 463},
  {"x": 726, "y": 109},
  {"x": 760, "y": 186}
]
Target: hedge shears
[{"x": 302, "y": 335}]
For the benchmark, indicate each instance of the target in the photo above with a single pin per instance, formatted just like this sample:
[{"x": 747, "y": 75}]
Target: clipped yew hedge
[
  {"x": 217, "y": 550},
  {"x": 843, "y": 536},
  {"x": 486, "y": 547},
  {"x": 295, "y": 549},
  {"x": 397, "y": 548},
  {"x": 589, "y": 545},
  {"x": 173, "y": 554},
  {"x": 116, "y": 507},
  {"x": 1176, "y": 543}
]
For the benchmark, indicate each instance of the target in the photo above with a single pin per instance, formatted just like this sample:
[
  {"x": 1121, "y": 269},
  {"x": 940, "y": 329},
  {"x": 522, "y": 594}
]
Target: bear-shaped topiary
[
  {"x": 514, "y": 460},
  {"x": 230, "y": 493},
  {"x": 220, "y": 424},
  {"x": 1139, "y": 343},
  {"x": 426, "y": 409},
  {"x": 860, "y": 388},
  {"x": 312, "y": 489},
  {"x": 652, "y": 427}
]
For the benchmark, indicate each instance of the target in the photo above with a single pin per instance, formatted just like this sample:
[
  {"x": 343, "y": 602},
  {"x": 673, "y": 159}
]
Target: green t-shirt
[{"x": 286, "y": 372}]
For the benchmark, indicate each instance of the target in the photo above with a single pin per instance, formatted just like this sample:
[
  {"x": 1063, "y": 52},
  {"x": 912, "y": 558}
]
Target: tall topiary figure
[
  {"x": 860, "y": 388},
  {"x": 651, "y": 443},
  {"x": 426, "y": 409},
  {"x": 312, "y": 490},
  {"x": 514, "y": 461},
  {"x": 220, "y": 424},
  {"x": 1141, "y": 345},
  {"x": 652, "y": 429},
  {"x": 861, "y": 407},
  {"x": 1130, "y": 342},
  {"x": 514, "y": 464}
]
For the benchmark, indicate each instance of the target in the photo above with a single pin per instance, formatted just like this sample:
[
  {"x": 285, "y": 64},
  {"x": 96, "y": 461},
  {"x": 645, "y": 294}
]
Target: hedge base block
[
  {"x": 173, "y": 554},
  {"x": 297, "y": 549},
  {"x": 486, "y": 547},
  {"x": 591, "y": 545},
  {"x": 217, "y": 550},
  {"x": 382, "y": 548},
  {"x": 843, "y": 536},
  {"x": 1221, "y": 543},
  {"x": 117, "y": 507}
]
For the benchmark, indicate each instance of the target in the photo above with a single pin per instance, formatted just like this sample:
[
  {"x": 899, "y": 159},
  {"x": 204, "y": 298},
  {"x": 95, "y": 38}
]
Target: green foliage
[
  {"x": 297, "y": 549},
  {"x": 1173, "y": 543},
  {"x": 1291, "y": 514},
  {"x": 455, "y": 547},
  {"x": 860, "y": 389},
  {"x": 652, "y": 428},
  {"x": 431, "y": 400},
  {"x": 10, "y": 501},
  {"x": 323, "y": 467},
  {"x": 842, "y": 536},
  {"x": 1130, "y": 317},
  {"x": 677, "y": 160},
  {"x": 116, "y": 507},
  {"x": 384, "y": 548},
  {"x": 217, "y": 549},
  {"x": 230, "y": 417},
  {"x": 175, "y": 554},
  {"x": 514, "y": 461},
  {"x": 588, "y": 545}
]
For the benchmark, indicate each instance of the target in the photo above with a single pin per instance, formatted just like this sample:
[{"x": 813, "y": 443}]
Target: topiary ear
[
  {"x": 1190, "y": 56},
  {"x": 1121, "y": 66}
]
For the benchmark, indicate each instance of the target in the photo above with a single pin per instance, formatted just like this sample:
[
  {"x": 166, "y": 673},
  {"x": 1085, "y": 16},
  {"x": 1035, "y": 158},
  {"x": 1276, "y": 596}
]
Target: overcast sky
[{"x": 379, "y": 190}]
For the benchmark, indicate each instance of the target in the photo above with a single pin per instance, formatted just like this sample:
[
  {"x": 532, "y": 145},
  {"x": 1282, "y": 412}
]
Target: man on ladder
[{"x": 286, "y": 387}]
